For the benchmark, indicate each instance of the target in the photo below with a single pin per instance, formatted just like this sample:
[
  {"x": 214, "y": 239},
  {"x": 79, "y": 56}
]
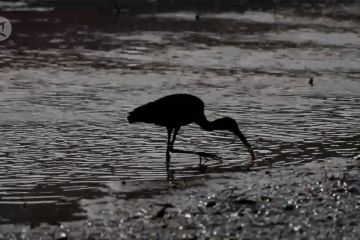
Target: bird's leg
[
  {"x": 173, "y": 139},
  {"x": 200, "y": 154},
  {"x": 168, "y": 148}
]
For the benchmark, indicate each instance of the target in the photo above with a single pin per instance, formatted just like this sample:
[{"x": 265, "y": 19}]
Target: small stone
[
  {"x": 246, "y": 201},
  {"x": 354, "y": 190},
  {"x": 162, "y": 211},
  {"x": 187, "y": 215},
  {"x": 61, "y": 236},
  {"x": 210, "y": 204},
  {"x": 289, "y": 207},
  {"x": 266, "y": 198}
]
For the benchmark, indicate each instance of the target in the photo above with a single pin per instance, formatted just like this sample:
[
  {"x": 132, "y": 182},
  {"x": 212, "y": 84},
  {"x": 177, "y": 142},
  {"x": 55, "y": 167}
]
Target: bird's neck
[{"x": 209, "y": 125}]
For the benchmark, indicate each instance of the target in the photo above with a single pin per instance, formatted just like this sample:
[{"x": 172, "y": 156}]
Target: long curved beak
[
  {"x": 252, "y": 153},
  {"x": 247, "y": 145}
]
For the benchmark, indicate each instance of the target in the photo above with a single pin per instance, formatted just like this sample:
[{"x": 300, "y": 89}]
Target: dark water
[{"x": 67, "y": 86}]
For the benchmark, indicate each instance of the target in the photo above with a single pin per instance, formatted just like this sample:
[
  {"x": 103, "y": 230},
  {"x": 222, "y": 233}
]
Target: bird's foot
[
  {"x": 170, "y": 178},
  {"x": 206, "y": 156},
  {"x": 202, "y": 168},
  {"x": 249, "y": 166}
]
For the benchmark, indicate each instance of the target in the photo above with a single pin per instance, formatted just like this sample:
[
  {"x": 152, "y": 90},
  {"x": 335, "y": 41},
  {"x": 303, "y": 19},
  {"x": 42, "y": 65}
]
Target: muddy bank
[{"x": 318, "y": 200}]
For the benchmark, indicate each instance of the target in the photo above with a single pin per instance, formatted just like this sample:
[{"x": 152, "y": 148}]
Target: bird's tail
[
  {"x": 131, "y": 118},
  {"x": 143, "y": 113}
]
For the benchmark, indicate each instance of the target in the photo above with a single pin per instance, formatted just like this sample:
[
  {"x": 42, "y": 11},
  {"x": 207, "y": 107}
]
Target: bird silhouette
[
  {"x": 197, "y": 17},
  {"x": 311, "y": 82},
  {"x": 177, "y": 110}
]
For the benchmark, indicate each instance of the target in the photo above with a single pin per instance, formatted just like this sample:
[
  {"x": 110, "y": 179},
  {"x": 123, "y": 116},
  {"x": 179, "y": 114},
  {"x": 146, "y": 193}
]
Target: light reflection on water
[{"x": 63, "y": 128}]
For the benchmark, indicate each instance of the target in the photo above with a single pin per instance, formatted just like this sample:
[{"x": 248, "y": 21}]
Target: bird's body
[
  {"x": 177, "y": 110},
  {"x": 171, "y": 111}
]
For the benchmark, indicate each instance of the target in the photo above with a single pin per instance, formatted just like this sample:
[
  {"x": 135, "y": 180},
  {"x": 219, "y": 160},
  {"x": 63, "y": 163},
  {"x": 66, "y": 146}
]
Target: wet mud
[
  {"x": 72, "y": 167},
  {"x": 317, "y": 200}
]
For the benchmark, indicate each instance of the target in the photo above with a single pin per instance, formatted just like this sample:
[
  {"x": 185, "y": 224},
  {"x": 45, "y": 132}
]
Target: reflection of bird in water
[
  {"x": 175, "y": 111},
  {"x": 311, "y": 82}
]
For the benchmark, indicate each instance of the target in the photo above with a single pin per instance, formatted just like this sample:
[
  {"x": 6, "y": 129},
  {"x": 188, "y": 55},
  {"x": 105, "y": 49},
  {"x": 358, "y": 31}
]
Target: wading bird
[
  {"x": 311, "y": 82},
  {"x": 175, "y": 111}
]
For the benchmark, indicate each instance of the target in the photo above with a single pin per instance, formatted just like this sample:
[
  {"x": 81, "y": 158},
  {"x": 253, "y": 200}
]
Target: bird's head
[{"x": 231, "y": 125}]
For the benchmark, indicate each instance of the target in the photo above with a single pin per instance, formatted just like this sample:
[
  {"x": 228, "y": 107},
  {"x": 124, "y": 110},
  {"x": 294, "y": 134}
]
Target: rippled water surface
[{"x": 66, "y": 89}]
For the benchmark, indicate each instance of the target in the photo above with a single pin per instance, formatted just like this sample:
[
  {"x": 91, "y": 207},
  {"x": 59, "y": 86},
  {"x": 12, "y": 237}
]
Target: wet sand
[
  {"x": 318, "y": 200},
  {"x": 71, "y": 164}
]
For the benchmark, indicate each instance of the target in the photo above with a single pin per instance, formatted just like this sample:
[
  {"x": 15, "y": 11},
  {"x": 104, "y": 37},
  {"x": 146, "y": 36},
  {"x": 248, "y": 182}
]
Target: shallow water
[{"x": 66, "y": 92}]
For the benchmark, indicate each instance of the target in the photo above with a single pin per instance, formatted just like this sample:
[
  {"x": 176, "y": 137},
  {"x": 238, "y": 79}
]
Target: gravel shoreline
[{"x": 311, "y": 201}]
